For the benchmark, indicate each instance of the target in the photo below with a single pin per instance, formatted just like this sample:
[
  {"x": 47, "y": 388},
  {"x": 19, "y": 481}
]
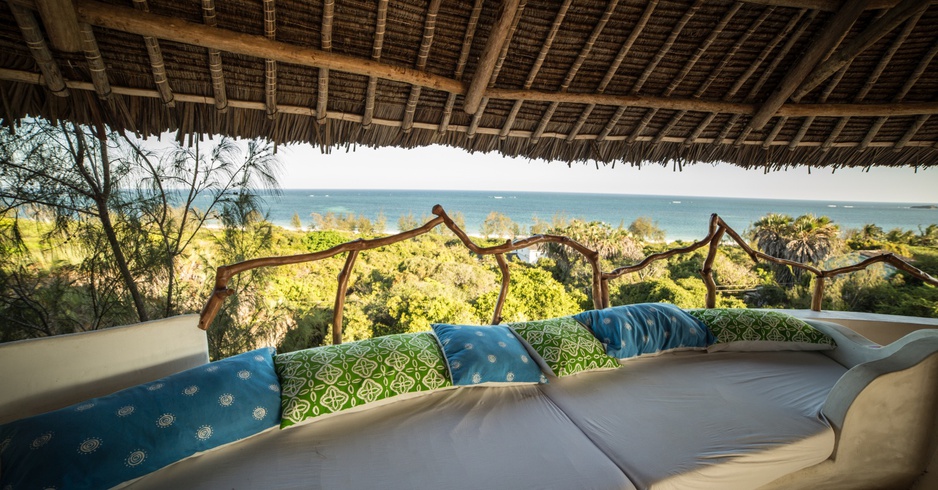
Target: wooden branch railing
[{"x": 600, "y": 280}]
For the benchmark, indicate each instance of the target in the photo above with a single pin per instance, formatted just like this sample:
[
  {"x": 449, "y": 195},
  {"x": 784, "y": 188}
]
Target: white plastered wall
[{"x": 39, "y": 375}]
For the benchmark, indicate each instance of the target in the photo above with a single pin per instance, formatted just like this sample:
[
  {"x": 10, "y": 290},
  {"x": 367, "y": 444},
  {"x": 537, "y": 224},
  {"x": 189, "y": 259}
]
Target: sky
[{"x": 445, "y": 168}]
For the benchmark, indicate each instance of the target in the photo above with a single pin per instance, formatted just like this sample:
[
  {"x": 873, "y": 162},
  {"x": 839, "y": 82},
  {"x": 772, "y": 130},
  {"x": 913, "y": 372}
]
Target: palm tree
[{"x": 806, "y": 239}]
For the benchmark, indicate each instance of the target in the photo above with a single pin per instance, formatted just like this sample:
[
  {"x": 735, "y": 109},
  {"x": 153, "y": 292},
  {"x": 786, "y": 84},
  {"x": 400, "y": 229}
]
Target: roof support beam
[
  {"x": 806, "y": 124},
  {"x": 882, "y": 26},
  {"x": 322, "y": 100},
  {"x": 270, "y": 65},
  {"x": 461, "y": 65},
  {"x": 156, "y": 60},
  {"x": 380, "y": 28},
  {"x": 214, "y": 60},
  {"x": 499, "y": 62},
  {"x": 916, "y": 74},
  {"x": 768, "y": 71},
  {"x": 614, "y": 67},
  {"x": 177, "y": 30},
  {"x": 831, "y": 34},
  {"x": 930, "y": 108},
  {"x": 493, "y": 47},
  {"x": 828, "y": 5},
  {"x": 95, "y": 62},
  {"x": 429, "y": 27},
  {"x": 532, "y": 74},
  {"x": 39, "y": 49},
  {"x": 61, "y": 24}
]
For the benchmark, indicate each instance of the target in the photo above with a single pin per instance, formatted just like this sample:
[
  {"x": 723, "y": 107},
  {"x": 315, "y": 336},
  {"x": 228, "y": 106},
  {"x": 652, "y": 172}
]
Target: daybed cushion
[
  {"x": 470, "y": 438},
  {"x": 485, "y": 354},
  {"x": 565, "y": 346},
  {"x": 332, "y": 378},
  {"x": 104, "y": 441},
  {"x": 741, "y": 329},
  {"x": 706, "y": 420},
  {"x": 630, "y": 331}
]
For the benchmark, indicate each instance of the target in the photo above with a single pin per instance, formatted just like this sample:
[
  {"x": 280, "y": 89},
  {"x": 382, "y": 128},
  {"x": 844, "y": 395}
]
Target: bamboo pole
[
  {"x": 157, "y": 66},
  {"x": 532, "y": 75},
  {"x": 380, "y": 28},
  {"x": 96, "y": 66},
  {"x": 32, "y": 34},
  {"x": 270, "y": 65},
  {"x": 214, "y": 60},
  {"x": 339, "y": 307},
  {"x": 461, "y": 64},
  {"x": 429, "y": 28},
  {"x": 503, "y": 292}
]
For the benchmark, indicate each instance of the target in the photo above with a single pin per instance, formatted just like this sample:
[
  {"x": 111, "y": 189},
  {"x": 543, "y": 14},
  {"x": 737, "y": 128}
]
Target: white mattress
[
  {"x": 725, "y": 420},
  {"x": 469, "y": 438}
]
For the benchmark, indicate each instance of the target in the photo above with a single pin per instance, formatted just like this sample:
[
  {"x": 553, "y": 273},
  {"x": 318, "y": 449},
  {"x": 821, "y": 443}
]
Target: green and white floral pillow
[
  {"x": 332, "y": 378},
  {"x": 760, "y": 330},
  {"x": 564, "y": 345}
]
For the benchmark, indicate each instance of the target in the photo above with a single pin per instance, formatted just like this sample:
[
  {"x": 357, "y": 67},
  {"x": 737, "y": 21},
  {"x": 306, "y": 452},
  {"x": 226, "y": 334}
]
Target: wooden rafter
[
  {"x": 879, "y": 28},
  {"x": 429, "y": 27},
  {"x": 380, "y": 28},
  {"x": 538, "y": 63},
  {"x": 498, "y": 37},
  {"x": 58, "y": 16},
  {"x": 461, "y": 64},
  {"x": 676, "y": 81},
  {"x": 322, "y": 100},
  {"x": 499, "y": 62},
  {"x": 764, "y": 78},
  {"x": 95, "y": 62},
  {"x": 828, "y": 5},
  {"x": 613, "y": 68},
  {"x": 831, "y": 34},
  {"x": 692, "y": 137},
  {"x": 649, "y": 68},
  {"x": 904, "y": 140},
  {"x": 157, "y": 66},
  {"x": 808, "y": 121},
  {"x": 800, "y": 110},
  {"x": 873, "y": 78},
  {"x": 214, "y": 60},
  {"x": 270, "y": 65},
  {"x": 571, "y": 73},
  {"x": 913, "y": 78},
  {"x": 32, "y": 34}
]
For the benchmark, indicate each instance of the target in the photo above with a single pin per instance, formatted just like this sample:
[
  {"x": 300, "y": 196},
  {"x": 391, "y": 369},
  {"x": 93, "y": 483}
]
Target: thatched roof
[{"x": 759, "y": 83}]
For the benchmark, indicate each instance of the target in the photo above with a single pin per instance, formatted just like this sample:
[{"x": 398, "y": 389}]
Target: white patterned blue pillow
[
  {"x": 489, "y": 354},
  {"x": 105, "y": 441},
  {"x": 645, "y": 328}
]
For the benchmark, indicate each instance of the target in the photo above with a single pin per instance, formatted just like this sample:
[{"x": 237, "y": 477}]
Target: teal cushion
[
  {"x": 105, "y": 441},
  {"x": 646, "y": 328},
  {"x": 489, "y": 354}
]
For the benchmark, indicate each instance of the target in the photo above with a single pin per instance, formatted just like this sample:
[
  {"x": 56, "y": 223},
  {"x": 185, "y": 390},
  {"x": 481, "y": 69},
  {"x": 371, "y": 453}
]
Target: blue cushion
[
  {"x": 646, "y": 328},
  {"x": 102, "y": 442},
  {"x": 485, "y": 355}
]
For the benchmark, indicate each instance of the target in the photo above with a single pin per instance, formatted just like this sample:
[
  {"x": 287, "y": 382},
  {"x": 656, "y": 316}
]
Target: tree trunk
[{"x": 105, "y": 217}]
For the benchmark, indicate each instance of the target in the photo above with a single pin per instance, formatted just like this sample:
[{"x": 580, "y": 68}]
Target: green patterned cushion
[
  {"x": 565, "y": 345},
  {"x": 760, "y": 330},
  {"x": 332, "y": 378}
]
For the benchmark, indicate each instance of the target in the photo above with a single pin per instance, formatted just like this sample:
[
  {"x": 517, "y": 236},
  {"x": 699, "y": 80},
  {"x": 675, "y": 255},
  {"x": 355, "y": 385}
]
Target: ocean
[{"x": 681, "y": 217}]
